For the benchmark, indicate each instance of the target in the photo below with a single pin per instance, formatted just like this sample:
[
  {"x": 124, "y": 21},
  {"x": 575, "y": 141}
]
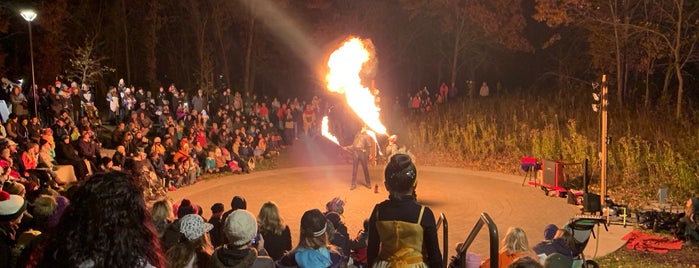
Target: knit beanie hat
[
  {"x": 192, "y": 226},
  {"x": 550, "y": 231},
  {"x": 240, "y": 227},
  {"x": 186, "y": 207},
  {"x": 335, "y": 205},
  {"x": 11, "y": 206}
]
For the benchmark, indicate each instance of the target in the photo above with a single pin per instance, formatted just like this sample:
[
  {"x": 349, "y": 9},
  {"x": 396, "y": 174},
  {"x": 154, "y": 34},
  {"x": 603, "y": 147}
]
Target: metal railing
[
  {"x": 445, "y": 238},
  {"x": 493, "y": 236}
]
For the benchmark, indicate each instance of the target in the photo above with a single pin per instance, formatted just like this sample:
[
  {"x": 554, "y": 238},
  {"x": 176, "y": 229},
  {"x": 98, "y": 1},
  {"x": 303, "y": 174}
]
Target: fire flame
[
  {"x": 325, "y": 132},
  {"x": 345, "y": 65}
]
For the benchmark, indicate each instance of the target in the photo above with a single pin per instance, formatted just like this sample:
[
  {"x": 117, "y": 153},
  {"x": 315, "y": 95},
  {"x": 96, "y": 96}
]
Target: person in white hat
[
  {"x": 194, "y": 248},
  {"x": 12, "y": 208}
]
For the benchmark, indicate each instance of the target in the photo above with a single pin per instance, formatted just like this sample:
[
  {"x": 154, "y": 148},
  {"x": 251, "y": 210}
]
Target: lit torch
[{"x": 347, "y": 64}]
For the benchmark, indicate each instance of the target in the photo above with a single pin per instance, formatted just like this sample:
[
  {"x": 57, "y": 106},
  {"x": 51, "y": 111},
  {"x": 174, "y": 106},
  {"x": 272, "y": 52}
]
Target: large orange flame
[
  {"x": 325, "y": 132},
  {"x": 345, "y": 65}
]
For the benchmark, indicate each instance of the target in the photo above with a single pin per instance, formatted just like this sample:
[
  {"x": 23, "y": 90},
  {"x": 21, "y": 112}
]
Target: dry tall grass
[{"x": 648, "y": 149}]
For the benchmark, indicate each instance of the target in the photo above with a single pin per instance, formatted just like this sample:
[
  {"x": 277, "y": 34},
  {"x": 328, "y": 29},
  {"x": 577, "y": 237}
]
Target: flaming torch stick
[{"x": 347, "y": 65}]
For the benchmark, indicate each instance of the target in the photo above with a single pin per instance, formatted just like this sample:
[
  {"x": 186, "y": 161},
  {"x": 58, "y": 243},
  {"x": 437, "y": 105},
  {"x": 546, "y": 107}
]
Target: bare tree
[{"x": 86, "y": 65}]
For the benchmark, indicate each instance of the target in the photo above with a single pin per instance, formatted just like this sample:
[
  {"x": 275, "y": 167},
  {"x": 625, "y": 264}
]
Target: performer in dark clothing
[
  {"x": 400, "y": 229},
  {"x": 360, "y": 148}
]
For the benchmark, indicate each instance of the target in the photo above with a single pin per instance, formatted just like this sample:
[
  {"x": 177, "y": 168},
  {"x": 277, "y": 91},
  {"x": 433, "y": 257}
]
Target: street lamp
[{"x": 29, "y": 15}]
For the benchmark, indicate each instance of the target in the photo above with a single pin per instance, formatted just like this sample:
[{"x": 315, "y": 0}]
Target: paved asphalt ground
[{"x": 312, "y": 172}]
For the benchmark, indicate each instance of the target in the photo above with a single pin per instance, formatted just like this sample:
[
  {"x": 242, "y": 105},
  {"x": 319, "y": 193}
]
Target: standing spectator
[
  {"x": 313, "y": 249},
  {"x": 54, "y": 103},
  {"x": 485, "y": 91},
  {"x": 194, "y": 249},
  {"x": 276, "y": 234},
  {"x": 241, "y": 228},
  {"x": 76, "y": 101},
  {"x": 113, "y": 100},
  {"x": 688, "y": 224},
  {"x": 199, "y": 101},
  {"x": 107, "y": 203},
  {"x": 400, "y": 224},
  {"x": 19, "y": 102},
  {"x": 444, "y": 91}
]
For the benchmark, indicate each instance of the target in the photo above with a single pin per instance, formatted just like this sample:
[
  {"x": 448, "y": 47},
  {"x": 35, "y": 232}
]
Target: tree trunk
[
  {"x": 646, "y": 98},
  {"x": 457, "y": 49},
  {"x": 248, "y": 54},
  {"x": 126, "y": 42},
  {"x": 665, "y": 96},
  {"x": 680, "y": 89},
  {"x": 619, "y": 62}
]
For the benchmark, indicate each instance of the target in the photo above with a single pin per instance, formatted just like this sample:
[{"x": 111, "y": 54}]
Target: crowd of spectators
[
  {"x": 168, "y": 141},
  {"x": 169, "y": 138}
]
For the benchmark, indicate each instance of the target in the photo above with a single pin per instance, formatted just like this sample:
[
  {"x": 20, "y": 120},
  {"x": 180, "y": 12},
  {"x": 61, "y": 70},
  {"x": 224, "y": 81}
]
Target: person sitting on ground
[
  {"x": 67, "y": 155},
  {"x": 515, "y": 246},
  {"x": 358, "y": 245},
  {"x": 335, "y": 205},
  {"x": 400, "y": 229},
  {"x": 557, "y": 260},
  {"x": 194, "y": 248},
  {"x": 277, "y": 234},
  {"x": 339, "y": 237},
  {"x": 216, "y": 233},
  {"x": 313, "y": 249},
  {"x": 162, "y": 216},
  {"x": 529, "y": 262},
  {"x": 119, "y": 157},
  {"x": 240, "y": 229},
  {"x": 12, "y": 208},
  {"x": 106, "y": 203}
]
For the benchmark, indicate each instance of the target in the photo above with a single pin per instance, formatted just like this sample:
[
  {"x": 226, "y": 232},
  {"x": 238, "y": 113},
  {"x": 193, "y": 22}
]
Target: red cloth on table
[{"x": 642, "y": 241}]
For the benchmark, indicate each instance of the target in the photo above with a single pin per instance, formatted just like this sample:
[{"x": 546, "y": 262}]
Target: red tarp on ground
[{"x": 642, "y": 241}]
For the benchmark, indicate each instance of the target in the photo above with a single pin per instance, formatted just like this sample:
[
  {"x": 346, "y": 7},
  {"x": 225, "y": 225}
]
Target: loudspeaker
[
  {"x": 591, "y": 202},
  {"x": 553, "y": 173}
]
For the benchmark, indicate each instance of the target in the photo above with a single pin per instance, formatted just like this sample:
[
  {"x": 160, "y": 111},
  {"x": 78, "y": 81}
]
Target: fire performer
[{"x": 360, "y": 150}]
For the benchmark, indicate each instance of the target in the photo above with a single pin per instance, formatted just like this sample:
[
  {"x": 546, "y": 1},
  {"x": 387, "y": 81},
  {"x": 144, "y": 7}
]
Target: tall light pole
[{"x": 29, "y": 15}]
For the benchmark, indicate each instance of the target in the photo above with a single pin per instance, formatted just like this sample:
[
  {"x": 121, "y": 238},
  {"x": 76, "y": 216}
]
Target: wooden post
[{"x": 604, "y": 140}]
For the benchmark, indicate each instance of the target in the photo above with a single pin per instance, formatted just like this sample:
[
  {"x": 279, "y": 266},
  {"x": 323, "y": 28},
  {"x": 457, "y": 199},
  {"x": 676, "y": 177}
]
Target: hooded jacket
[
  {"x": 311, "y": 258},
  {"x": 225, "y": 257}
]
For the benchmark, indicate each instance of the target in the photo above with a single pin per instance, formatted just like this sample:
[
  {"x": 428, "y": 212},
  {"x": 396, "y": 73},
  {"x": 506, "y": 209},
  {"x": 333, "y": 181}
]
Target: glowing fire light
[
  {"x": 345, "y": 65},
  {"x": 376, "y": 142},
  {"x": 325, "y": 132}
]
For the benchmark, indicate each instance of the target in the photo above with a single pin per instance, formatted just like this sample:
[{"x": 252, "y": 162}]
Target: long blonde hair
[
  {"x": 515, "y": 241},
  {"x": 269, "y": 219}
]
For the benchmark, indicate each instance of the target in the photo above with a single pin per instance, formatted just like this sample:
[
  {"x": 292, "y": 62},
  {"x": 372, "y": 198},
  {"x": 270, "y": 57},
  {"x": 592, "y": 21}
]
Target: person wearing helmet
[{"x": 400, "y": 229}]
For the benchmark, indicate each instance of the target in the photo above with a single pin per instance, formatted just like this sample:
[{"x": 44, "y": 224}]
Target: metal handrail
[
  {"x": 445, "y": 238},
  {"x": 494, "y": 243}
]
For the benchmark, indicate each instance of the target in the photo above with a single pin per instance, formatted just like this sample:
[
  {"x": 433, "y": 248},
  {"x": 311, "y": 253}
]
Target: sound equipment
[
  {"x": 591, "y": 202},
  {"x": 552, "y": 173}
]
